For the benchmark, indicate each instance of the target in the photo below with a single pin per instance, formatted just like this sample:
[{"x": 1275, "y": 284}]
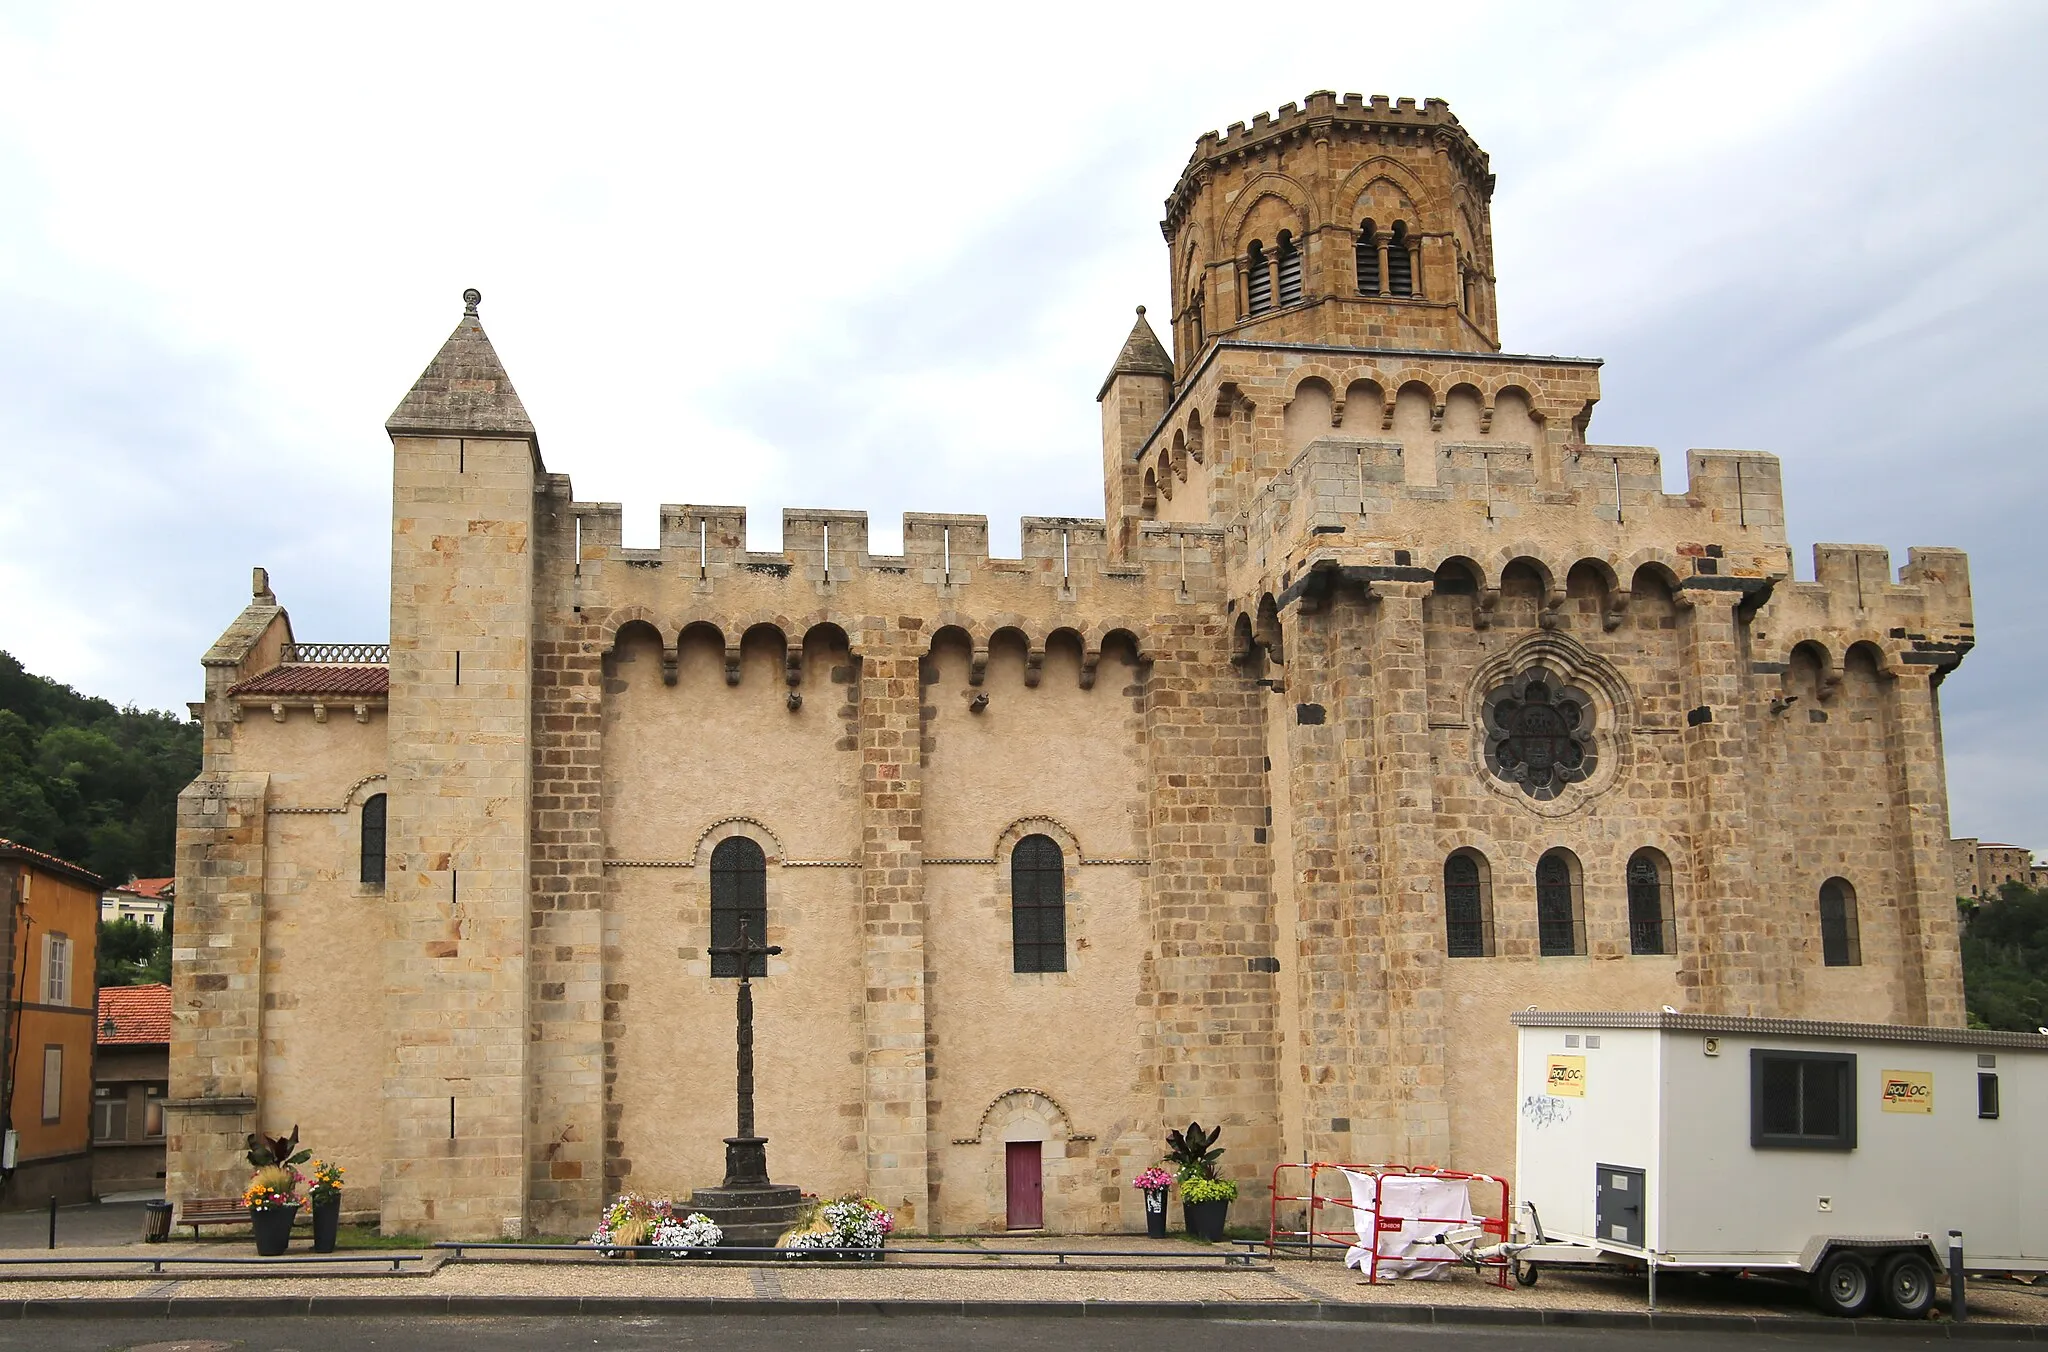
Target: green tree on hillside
[
  {"x": 2005, "y": 960},
  {"x": 132, "y": 954},
  {"x": 88, "y": 782}
]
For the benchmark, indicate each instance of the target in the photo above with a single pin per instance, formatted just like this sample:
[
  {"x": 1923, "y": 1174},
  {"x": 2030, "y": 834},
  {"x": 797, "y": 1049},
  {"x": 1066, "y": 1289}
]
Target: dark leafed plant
[
  {"x": 1192, "y": 1153},
  {"x": 268, "y": 1150}
]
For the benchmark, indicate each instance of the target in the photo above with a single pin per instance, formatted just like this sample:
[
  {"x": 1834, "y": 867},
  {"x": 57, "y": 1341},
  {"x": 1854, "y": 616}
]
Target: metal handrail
[
  {"x": 1059, "y": 1256},
  {"x": 156, "y": 1264}
]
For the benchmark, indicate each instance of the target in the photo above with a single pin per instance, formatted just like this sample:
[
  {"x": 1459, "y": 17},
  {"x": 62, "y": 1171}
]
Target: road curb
[{"x": 1306, "y": 1311}]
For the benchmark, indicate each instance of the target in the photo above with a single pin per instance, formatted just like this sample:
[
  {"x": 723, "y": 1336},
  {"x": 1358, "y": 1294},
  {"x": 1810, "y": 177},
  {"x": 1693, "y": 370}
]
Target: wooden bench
[{"x": 198, "y": 1211}]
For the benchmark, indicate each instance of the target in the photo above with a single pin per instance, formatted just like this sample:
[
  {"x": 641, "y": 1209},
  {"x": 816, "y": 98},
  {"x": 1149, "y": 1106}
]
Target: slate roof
[
  {"x": 317, "y": 680},
  {"x": 463, "y": 389},
  {"x": 51, "y": 863},
  {"x": 139, "y": 1014},
  {"x": 1143, "y": 355}
]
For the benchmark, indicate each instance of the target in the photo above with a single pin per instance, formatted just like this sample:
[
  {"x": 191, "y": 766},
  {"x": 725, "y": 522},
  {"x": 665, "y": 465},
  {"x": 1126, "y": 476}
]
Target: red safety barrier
[{"x": 1317, "y": 1203}]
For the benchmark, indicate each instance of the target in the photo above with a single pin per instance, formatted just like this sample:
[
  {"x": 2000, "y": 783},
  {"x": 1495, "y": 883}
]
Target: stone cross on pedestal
[{"x": 746, "y": 1155}]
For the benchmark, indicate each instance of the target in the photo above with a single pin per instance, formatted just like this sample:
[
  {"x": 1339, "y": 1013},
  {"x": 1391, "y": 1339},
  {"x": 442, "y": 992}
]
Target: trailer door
[{"x": 1618, "y": 1198}]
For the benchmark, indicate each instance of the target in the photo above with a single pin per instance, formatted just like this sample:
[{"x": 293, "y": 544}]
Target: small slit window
[
  {"x": 1038, "y": 906},
  {"x": 1987, "y": 1095},
  {"x": 1258, "y": 280},
  {"x": 1840, "y": 944},
  {"x": 1802, "y": 1100},
  {"x": 1366, "y": 254},
  {"x": 739, "y": 890},
  {"x": 1558, "y": 931},
  {"x": 1467, "y": 933},
  {"x": 1289, "y": 259},
  {"x": 373, "y": 840}
]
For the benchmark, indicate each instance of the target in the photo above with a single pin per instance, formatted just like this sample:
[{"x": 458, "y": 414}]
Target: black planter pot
[
  {"x": 326, "y": 1221},
  {"x": 1155, "y": 1213},
  {"x": 1205, "y": 1219},
  {"x": 273, "y": 1227}
]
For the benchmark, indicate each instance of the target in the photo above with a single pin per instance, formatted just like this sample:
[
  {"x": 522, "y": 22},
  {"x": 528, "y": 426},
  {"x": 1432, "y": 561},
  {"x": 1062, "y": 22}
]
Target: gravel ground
[{"x": 964, "y": 1273}]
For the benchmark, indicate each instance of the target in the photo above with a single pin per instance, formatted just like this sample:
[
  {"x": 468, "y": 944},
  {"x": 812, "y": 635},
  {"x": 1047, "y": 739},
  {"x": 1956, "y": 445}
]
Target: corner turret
[{"x": 1134, "y": 397}]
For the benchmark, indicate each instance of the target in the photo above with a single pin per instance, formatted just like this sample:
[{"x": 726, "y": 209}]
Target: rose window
[{"x": 1539, "y": 733}]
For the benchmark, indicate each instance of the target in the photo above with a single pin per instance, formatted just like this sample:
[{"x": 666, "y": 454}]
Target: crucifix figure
[{"x": 746, "y": 1155}]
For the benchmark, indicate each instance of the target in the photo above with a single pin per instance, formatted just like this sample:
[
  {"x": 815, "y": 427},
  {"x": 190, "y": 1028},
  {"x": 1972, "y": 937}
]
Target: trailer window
[
  {"x": 1987, "y": 1095},
  {"x": 1802, "y": 1100}
]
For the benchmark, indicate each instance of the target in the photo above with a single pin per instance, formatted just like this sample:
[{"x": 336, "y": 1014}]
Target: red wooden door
[{"x": 1026, "y": 1185}]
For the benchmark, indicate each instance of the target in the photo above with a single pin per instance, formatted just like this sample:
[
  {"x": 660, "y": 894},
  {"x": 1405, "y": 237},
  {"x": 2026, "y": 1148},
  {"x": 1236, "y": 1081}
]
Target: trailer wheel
[
  {"x": 1527, "y": 1273},
  {"x": 1842, "y": 1284},
  {"x": 1905, "y": 1285}
]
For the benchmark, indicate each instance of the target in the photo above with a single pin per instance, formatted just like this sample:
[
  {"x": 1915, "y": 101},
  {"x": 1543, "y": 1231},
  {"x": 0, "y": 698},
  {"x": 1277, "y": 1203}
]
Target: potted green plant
[
  {"x": 273, "y": 1192},
  {"x": 326, "y": 1196},
  {"x": 1205, "y": 1199}
]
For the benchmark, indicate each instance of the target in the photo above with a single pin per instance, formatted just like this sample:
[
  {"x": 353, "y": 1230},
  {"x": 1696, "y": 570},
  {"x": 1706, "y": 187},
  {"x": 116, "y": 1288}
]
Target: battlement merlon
[
  {"x": 822, "y": 546},
  {"x": 1925, "y": 618},
  {"x": 1323, "y": 109}
]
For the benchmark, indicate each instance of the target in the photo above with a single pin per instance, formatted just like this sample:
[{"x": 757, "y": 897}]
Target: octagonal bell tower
[{"x": 1352, "y": 222}]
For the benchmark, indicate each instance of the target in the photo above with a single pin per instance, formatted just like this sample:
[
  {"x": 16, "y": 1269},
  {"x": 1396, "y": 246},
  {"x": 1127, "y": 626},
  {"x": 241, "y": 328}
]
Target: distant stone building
[
  {"x": 1379, "y": 704},
  {"x": 130, "y": 1085},
  {"x": 48, "y": 910},
  {"x": 1983, "y": 867}
]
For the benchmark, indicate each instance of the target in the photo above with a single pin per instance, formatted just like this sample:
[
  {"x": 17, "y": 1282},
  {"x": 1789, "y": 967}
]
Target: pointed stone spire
[
  {"x": 463, "y": 390},
  {"x": 1143, "y": 355}
]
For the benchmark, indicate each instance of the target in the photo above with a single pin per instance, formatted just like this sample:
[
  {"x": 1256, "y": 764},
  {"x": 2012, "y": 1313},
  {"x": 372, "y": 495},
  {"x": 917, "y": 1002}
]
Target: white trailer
[{"x": 1842, "y": 1151}]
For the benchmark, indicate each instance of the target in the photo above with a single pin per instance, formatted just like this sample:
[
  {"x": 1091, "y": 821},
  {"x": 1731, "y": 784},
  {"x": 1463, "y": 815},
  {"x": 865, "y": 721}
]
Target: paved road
[{"x": 769, "y": 1333}]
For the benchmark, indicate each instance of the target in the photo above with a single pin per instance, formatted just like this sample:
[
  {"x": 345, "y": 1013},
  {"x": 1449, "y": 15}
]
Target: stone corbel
[
  {"x": 732, "y": 664},
  {"x": 362, "y": 713},
  {"x": 670, "y": 657},
  {"x": 319, "y": 713},
  {"x": 1337, "y": 411},
  {"x": 1552, "y": 615},
  {"x": 1088, "y": 661},
  {"x": 977, "y": 668},
  {"x": 277, "y": 713},
  {"x": 793, "y": 665},
  {"x": 1486, "y": 420},
  {"x": 1482, "y": 612},
  {"x": 1616, "y": 612},
  {"x": 1387, "y": 417},
  {"x": 1436, "y": 418},
  {"x": 1828, "y": 686},
  {"x": 1034, "y": 663},
  {"x": 237, "y": 712}
]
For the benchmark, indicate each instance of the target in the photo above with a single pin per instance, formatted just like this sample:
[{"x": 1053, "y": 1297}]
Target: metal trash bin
[{"x": 156, "y": 1222}]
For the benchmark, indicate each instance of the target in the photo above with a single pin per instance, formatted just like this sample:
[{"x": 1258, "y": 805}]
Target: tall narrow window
[
  {"x": 1400, "y": 273},
  {"x": 1258, "y": 280},
  {"x": 1840, "y": 944},
  {"x": 1466, "y": 931},
  {"x": 1366, "y": 253},
  {"x": 373, "y": 839},
  {"x": 1649, "y": 904},
  {"x": 739, "y": 890},
  {"x": 56, "y": 969},
  {"x": 1557, "y": 906},
  {"x": 1038, "y": 906},
  {"x": 1290, "y": 270},
  {"x": 53, "y": 1083}
]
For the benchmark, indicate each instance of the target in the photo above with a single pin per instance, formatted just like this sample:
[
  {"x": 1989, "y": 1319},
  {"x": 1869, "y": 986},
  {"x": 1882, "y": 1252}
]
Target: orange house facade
[{"x": 51, "y": 914}]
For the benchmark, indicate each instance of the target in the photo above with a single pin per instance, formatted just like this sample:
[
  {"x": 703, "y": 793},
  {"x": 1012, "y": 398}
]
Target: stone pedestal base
[{"x": 753, "y": 1216}]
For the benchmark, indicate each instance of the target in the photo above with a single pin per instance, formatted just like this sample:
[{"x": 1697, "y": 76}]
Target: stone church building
[{"x": 1379, "y": 704}]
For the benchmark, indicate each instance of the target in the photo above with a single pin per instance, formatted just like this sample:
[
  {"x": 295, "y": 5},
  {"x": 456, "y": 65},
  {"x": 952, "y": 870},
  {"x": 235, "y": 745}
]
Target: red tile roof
[
  {"x": 50, "y": 863},
  {"x": 152, "y": 889},
  {"x": 138, "y": 1013},
  {"x": 317, "y": 680}
]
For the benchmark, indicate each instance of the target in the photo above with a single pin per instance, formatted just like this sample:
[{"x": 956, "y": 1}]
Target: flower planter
[
  {"x": 1205, "y": 1219},
  {"x": 326, "y": 1222},
  {"x": 1155, "y": 1213},
  {"x": 273, "y": 1227}
]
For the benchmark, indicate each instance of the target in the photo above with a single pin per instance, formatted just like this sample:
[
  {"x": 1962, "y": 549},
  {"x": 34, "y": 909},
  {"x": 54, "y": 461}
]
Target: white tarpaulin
[{"x": 1426, "y": 1207}]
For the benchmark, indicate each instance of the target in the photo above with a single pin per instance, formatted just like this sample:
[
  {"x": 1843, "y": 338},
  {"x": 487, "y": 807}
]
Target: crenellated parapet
[{"x": 1921, "y": 618}]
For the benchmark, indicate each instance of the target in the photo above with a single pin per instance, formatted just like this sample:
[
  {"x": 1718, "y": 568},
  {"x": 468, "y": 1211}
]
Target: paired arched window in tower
[
  {"x": 1468, "y": 906},
  {"x": 1038, "y": 906},
  {"x": 739, "y": 891},
  {"x": 372, "y": 848},
  {"x": 1840, "y": 943},
  {"x": 1288, "y": 265},
  {"x": 1258, "y": 280},
  {"x": 1560, "y": 924},
  {"x": 1649, "y": 904},
  {"x": 1366, "y": 254}
]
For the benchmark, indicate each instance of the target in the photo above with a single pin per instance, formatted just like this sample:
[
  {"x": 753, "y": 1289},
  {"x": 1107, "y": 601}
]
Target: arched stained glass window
[
  {"x": 1038, "y": 906},
  {"x": 1649, "y": 896},
  {"x": 1466, "y": 931},
  {"x": 373, "y": 839},
  {"x": 1557, "y": 906},
  {"x": 739, "y": 889}
]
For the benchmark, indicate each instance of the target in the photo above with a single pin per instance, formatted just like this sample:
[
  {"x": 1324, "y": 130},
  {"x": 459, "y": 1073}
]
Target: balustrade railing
[{"x": 338, "y": 654}]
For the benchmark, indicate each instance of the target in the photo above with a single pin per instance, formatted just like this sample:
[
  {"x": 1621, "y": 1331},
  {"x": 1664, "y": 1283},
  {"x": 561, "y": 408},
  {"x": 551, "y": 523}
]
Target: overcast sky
[{"x": 879, "y": 257}]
